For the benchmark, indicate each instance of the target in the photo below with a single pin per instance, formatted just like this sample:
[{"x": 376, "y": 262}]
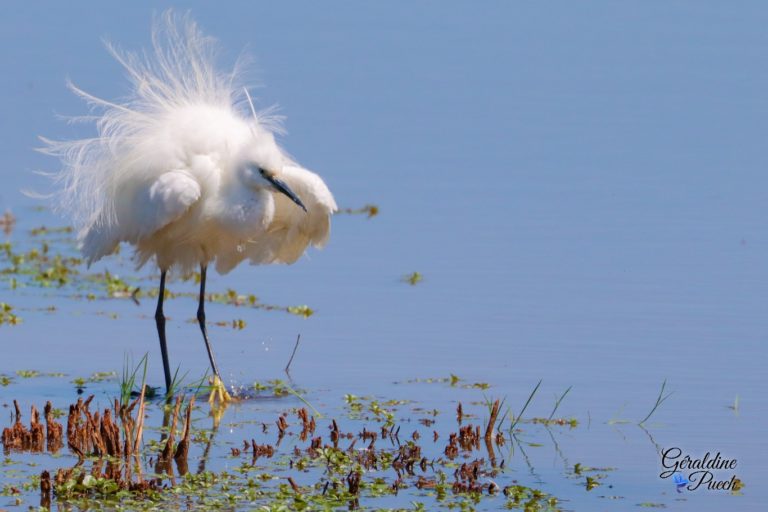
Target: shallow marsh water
[{"x": 582, "y": 190}]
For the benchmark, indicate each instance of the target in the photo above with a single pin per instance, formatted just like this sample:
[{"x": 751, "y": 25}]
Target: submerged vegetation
[
  {"x": 133, "y": 452},
  {"x": 279, "y": 452},
  {"x": 115, "y": 457}
]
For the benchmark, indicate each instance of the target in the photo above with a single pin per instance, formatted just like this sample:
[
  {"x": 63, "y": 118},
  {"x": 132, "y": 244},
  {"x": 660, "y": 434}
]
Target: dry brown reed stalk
[
  {"x": 163, "y": 463},
  {"x": 490, "y": 450},
  {"x": 307, "y": 424},
  {"x": 7, "y": 222},
  {"x": 36, "y": 432},
  {"x": 111, "y": 434},
  {"x": 334, "y": 433},
  {"x": 45, "y": 490},
  {"x": 125, "y": 413},
  {"x": 13, "y": 436},
  {"x": 139, "y": 421},
  {"x": 469, "y": 437},
  {"x": 53, "y": 430},
  {"x": 74, "y": 441},
  {"x": 282, "y": 426},
  {"x": 353, "y": 482},
  {"x": 492, "y": 421},
  {"x": 166, "y": 455},
  {"x": 263, "y": 450},
  {"x": 182, "y": 449}
]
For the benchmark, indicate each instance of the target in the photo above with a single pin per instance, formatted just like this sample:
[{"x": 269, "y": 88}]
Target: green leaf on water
[
  {"x": 304, "y": 311},
  {"x": 27, "y": 374},
  {"x": 413, "y": 278}
]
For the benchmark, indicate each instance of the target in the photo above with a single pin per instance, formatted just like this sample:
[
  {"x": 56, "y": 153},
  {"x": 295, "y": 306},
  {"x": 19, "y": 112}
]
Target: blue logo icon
[{"x": 680, "y": 481}]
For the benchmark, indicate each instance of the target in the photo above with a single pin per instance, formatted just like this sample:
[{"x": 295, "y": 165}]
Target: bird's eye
[{"x": 261, "y": 171}]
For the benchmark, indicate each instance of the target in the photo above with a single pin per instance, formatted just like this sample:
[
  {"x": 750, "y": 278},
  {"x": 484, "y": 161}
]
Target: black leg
[
  {"x": 160, "y": 320},
  {"x": 201, "y": 320}
]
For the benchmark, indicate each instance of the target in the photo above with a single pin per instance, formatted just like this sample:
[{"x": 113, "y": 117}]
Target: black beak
[{"x": 283, "y": 188}]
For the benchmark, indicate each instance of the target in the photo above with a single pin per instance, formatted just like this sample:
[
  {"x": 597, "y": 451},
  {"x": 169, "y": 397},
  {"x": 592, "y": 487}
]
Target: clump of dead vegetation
[
  {"x": 108, "y": 444},
  {"x": 111, "y": 439},
  {"x": 35, "y": 438}
]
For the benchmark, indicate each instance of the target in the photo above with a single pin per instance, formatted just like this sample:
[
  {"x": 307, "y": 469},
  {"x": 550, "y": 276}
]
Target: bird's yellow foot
[{"x": 219, "y": 393}]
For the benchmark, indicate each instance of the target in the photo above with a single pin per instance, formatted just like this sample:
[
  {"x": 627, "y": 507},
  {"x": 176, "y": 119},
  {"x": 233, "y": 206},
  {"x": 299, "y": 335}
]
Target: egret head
[
  {"x": 265, "y": 159},
  {"x": 263, "y": 164},
  {"x": 273, "y": 182}
]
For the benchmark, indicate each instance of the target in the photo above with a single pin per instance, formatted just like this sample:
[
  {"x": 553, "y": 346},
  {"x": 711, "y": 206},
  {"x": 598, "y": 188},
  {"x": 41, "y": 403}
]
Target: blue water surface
[{"x": 582, "y": 186}]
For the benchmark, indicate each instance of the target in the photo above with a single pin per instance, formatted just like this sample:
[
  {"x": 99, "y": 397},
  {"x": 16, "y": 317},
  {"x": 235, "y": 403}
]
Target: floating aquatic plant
[
  {"x": 7, "y": 316},
  {"x": 371, "y": 210},
  {"x": 413, "y": 278}
]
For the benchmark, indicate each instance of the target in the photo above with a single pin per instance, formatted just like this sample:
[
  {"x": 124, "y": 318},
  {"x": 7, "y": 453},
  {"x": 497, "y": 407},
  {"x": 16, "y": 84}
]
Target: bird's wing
[
  {"x": 141, "y": 212},
  {"x": 167, "y": 199}
]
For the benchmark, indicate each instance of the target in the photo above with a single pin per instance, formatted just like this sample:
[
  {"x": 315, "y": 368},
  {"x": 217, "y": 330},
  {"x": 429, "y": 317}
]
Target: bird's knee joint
[
  {"x": 201, "y": 316},
  {"x": 159, "y": 317}
]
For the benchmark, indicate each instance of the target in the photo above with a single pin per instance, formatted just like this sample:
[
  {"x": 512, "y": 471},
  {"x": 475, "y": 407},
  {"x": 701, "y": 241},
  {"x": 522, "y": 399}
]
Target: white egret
[{"x": 187, "y": 172}]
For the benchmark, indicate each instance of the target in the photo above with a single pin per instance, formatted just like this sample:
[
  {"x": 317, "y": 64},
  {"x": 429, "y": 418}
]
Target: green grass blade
[
  {"x": 557, "y": 403},
  {"x": 659, "y": 400},
  {"x": 522, "y": 411},
  {"x": 297, "y": 395}
]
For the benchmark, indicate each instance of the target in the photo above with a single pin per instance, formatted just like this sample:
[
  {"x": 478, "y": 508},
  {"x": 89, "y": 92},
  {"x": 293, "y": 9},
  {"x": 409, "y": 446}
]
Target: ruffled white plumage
[{"x": 168, "y": 170}]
